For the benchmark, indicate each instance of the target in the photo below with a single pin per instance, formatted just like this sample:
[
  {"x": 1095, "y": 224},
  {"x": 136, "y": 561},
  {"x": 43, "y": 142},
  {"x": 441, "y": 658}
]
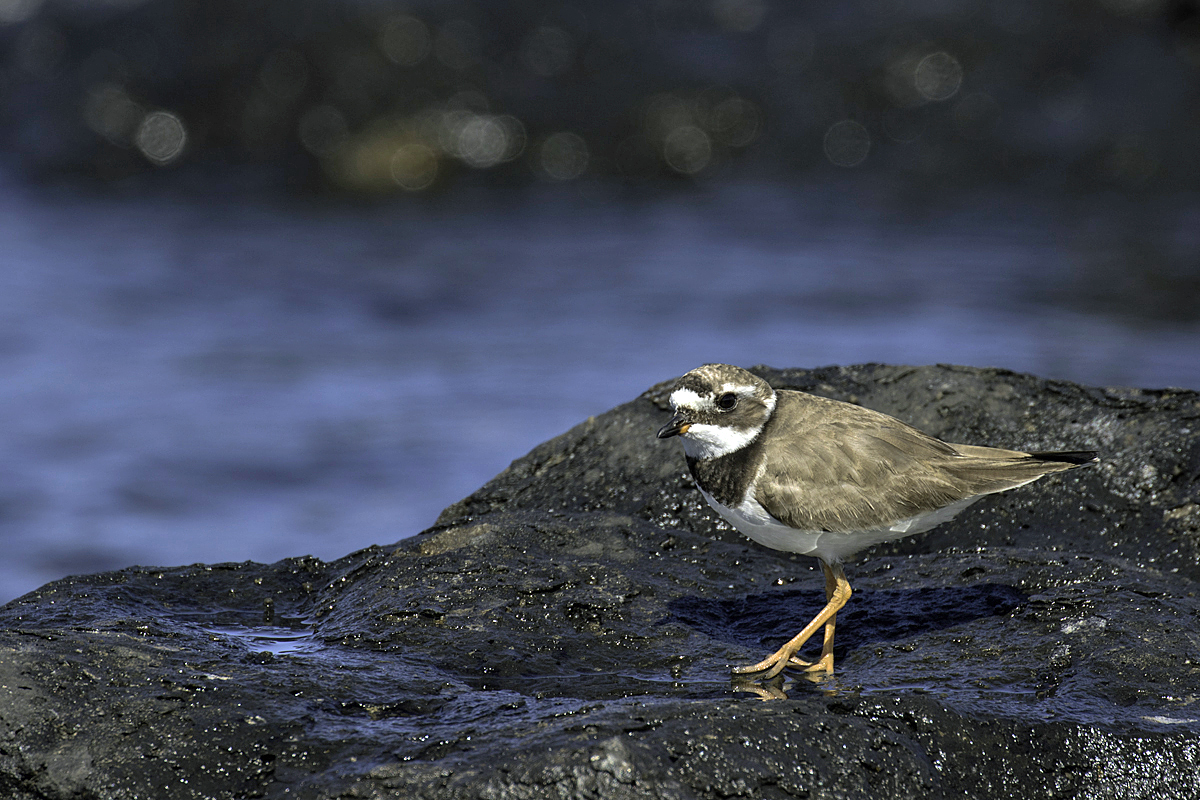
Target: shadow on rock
[{"x": 872, "y": 616}]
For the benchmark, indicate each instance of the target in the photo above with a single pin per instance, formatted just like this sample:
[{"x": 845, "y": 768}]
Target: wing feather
[{"x": 846, "y": 468}]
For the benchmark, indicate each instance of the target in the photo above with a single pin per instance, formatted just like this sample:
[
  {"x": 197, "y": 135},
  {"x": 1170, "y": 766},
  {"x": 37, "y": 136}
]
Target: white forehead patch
[{"x": 686, "y": 398}]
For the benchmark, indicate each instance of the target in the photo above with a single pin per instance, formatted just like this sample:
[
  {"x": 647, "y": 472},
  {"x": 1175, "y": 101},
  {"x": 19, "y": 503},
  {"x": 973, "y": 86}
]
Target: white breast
[{"x": 832, "y": 547}]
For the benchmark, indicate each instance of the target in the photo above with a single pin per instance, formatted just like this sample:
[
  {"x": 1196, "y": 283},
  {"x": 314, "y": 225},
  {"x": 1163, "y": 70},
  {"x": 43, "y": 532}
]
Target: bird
[{"x": 806, "y": 474}]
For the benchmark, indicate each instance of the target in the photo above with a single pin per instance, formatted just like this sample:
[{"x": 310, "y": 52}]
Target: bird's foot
[
  {"x": 822, "y": 664},
  {"x": 774, "y": 664},
  {"x": 781, "y": 659},
  {"x": 771, "y": 666}
]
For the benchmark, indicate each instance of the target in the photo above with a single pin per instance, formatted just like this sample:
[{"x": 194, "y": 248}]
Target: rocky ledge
[{"x": 567, "y": 632}]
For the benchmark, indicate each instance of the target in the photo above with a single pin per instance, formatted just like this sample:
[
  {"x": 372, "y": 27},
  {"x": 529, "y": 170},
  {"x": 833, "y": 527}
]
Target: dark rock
[{"x": 567, "y": 630}]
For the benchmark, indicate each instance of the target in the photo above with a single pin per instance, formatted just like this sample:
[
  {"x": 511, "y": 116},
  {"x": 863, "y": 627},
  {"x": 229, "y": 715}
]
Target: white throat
[{"x": 704, "y": 442}]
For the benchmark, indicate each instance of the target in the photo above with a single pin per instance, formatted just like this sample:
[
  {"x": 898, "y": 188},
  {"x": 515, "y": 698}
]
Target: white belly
[{"x": 832, "y": 547}]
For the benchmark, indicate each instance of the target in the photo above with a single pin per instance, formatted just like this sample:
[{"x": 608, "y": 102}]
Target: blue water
[{"x": 203, "y": 377}]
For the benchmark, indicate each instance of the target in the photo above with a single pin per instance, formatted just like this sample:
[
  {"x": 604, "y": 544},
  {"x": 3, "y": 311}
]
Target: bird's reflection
[{"x": 778, "y": 686}]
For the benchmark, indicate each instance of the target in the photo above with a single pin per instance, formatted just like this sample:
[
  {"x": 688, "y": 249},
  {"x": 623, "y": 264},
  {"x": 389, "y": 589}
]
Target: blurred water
[{"x": 207, "y": 378}]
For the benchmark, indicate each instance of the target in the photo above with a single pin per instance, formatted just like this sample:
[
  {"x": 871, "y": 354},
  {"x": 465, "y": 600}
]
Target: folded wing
[{"x": 856, "y": 469}]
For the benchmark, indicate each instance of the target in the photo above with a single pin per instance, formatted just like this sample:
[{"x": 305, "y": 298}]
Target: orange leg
[
  {"x": 825, "y": 663},
  {"x": 837, "y": 593}
]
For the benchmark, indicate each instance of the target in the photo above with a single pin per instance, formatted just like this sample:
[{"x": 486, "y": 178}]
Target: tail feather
[{"x": 1077, "y": 458}]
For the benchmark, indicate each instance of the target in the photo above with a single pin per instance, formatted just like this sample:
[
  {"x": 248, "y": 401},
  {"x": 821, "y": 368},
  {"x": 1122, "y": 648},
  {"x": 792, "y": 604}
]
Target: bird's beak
[{"x": 676, "y": 426}]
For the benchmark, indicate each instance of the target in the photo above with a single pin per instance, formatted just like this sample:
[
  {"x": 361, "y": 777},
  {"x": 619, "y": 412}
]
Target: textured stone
[{"x": 567, "y": 630}]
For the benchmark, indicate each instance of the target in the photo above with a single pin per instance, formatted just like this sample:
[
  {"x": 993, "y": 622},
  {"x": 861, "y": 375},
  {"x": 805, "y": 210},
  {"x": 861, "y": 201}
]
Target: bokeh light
[
  {"x": 414, "y": 167},
  {"x": 323, "y": 130},
  {"x": 109, "y": 111},
  {"x": 483, "y": 141},
  {"x": 405, "y": 40},
  {"x": 687, "y": 149},
  {"x": 664, "y": 113},
  {"x": 364, "y": 163},
  {"x": 847, "y": 143},
  {"x": 938, "y": 76},
  {"x": 563, "y": 156},
  {"x": 161, "y": 137},
  {"x": 720, "y": 88},
  {"x": 687, "y": 130},
  {"x": 735, "y": 121},
  {"x": 905, "y": 125}
]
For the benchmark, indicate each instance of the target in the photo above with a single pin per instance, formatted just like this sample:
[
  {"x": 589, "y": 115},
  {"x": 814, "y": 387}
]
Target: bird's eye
[{"x": 727, "y": 401}]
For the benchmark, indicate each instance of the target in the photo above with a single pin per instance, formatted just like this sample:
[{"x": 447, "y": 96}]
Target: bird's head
[{"x": 718, "y": 409}]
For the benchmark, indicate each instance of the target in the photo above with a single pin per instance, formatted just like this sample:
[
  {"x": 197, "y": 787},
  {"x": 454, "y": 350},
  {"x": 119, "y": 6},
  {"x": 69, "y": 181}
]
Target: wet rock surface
[{"x": 567, "y": 631}]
